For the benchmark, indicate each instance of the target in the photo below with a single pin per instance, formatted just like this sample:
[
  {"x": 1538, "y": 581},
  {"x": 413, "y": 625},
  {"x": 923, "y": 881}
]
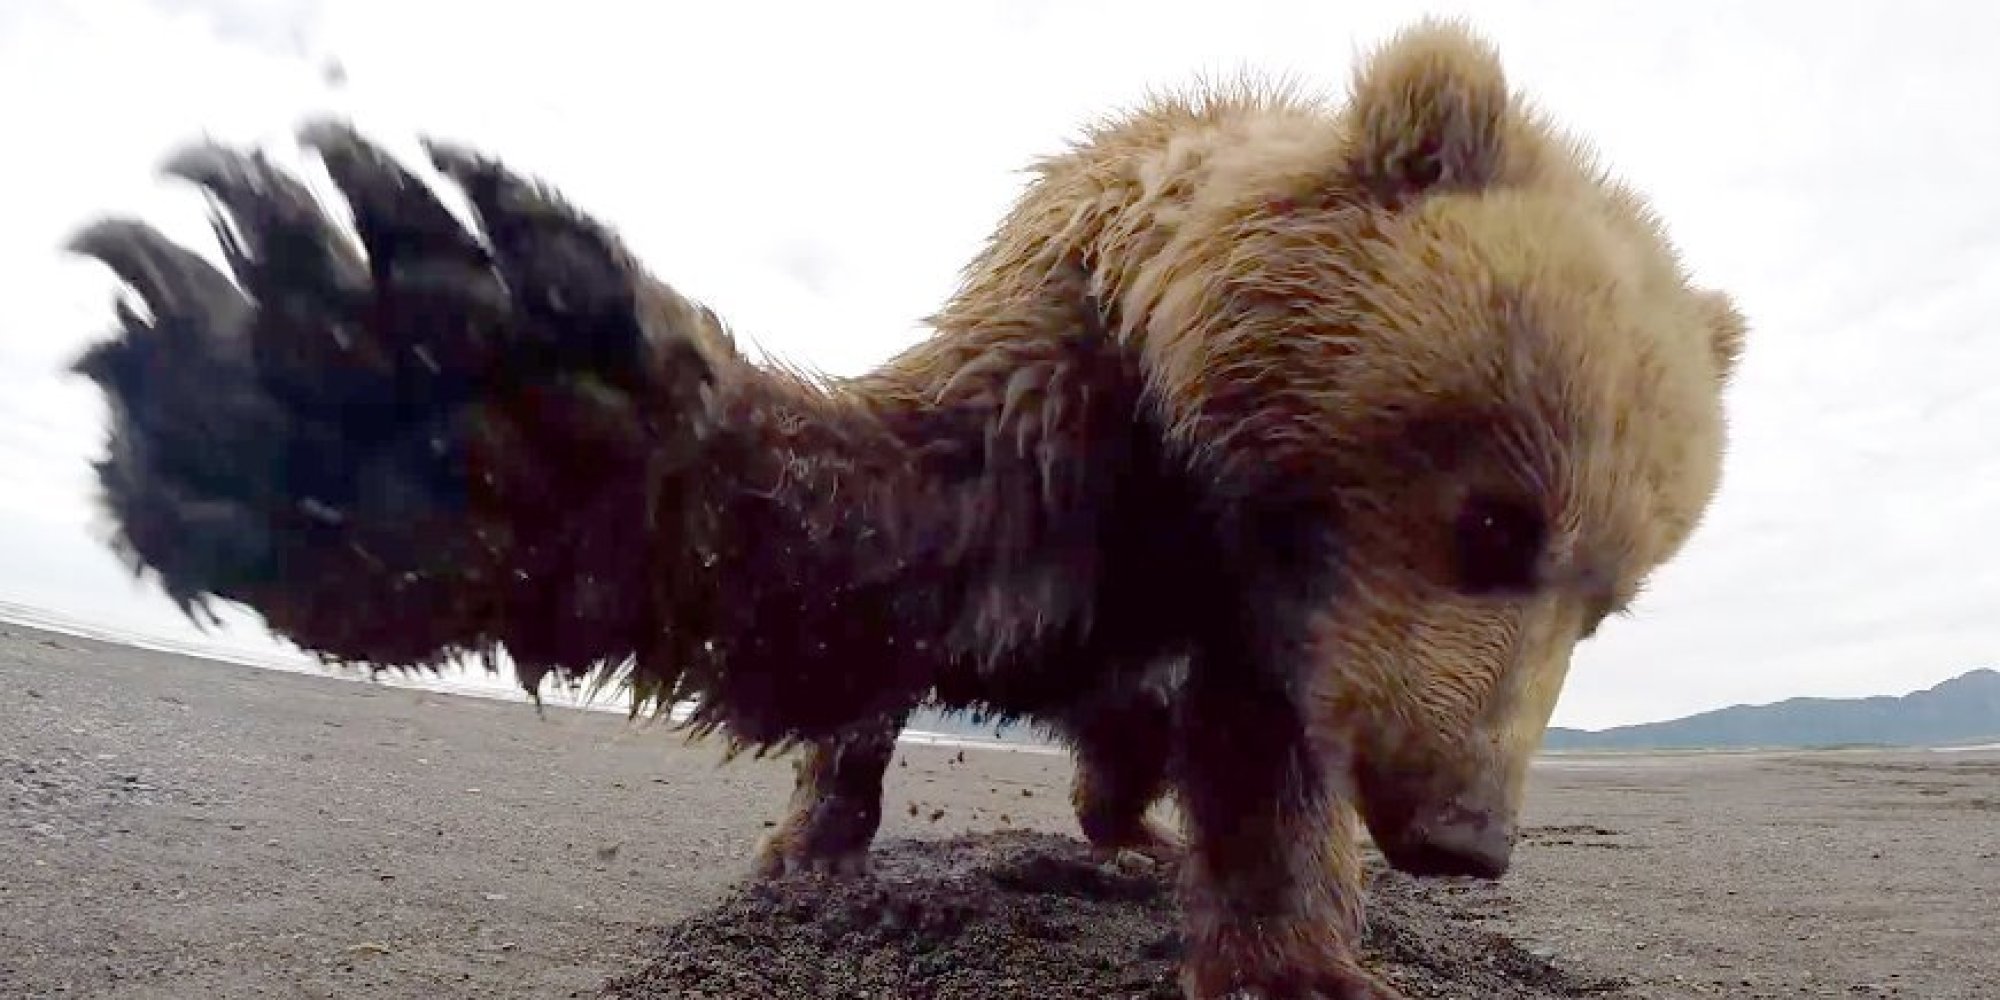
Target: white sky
[{"x": 818, "y": 172}]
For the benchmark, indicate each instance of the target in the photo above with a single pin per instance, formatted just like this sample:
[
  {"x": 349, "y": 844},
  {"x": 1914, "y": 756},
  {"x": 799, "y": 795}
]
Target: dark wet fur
[
  {"x": 397, "y": 459},
  {"x": 439, "y": 443},
  {"x": 442, "y": 444}
]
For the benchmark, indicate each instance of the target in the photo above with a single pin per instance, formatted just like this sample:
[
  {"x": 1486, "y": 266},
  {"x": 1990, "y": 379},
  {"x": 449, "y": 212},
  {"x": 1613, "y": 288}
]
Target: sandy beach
[{"x": 175, "y": 827}]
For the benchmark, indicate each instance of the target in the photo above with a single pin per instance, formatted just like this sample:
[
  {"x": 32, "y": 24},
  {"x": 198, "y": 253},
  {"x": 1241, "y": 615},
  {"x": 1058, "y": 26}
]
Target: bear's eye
[{"x": 1499, "y": 545}]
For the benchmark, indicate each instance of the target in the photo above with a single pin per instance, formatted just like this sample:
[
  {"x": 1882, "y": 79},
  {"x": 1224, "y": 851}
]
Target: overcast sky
[{"x": 818, "y": 172}]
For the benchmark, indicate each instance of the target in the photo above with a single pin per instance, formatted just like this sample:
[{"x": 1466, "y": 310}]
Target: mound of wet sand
[{"x": 1019, "y": 914}]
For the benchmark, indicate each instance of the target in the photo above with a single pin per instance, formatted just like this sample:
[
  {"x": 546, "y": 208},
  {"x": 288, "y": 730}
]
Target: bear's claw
[
  {"x": 384, "y": 444},
  {"x": 778, "y": 857},
  {"x": 829, "y": 834},
  {"x": 1150, "y": 842},
  {"x": 1346, "y": 982},
  {"x": 1287, "y": 959}
]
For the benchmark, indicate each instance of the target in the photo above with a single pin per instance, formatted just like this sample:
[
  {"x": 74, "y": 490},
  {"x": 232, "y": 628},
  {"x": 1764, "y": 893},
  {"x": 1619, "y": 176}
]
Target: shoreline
[
  {"x": 187, "y": 826},
  {"x": 177, "y": 827},
  {"x": 496, "y": 688},
  {"x": 491, "y": 687}
]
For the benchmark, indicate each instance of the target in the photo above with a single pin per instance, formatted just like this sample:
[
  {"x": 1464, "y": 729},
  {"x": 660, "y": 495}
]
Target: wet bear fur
[{"x": 1275, "y": 453}]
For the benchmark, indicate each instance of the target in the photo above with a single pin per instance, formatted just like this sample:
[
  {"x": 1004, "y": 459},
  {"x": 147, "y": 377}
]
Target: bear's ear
[
  {"x": 1427, "y": 112},
  {"x": 1726, "y": 329}
]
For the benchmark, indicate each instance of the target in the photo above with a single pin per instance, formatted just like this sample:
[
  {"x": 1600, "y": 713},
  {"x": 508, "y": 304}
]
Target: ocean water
[{"x": 468, "y": 681}]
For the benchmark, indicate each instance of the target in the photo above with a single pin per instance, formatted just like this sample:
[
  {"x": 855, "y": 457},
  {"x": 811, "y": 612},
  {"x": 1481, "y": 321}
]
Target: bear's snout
[{"x": 1455, "y": 841}]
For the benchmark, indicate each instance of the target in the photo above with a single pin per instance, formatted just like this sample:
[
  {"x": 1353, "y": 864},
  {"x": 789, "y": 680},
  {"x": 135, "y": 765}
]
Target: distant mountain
[{"x": 1965, "y": 709}]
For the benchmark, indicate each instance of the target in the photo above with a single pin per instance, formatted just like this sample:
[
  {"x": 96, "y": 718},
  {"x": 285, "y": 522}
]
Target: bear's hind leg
[
  {"x": 1122, "y": 747},
  {"x": 836, "y": 804}
]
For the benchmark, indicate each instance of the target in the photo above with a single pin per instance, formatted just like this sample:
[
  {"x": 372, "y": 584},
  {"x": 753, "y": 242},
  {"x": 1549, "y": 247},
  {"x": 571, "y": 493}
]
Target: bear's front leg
[
  {"x": 1271, "y": 883},
  {"x": 836, "y": 804}
]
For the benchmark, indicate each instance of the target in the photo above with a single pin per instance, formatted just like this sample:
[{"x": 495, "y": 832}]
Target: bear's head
[{"x": 1479, "y": 363}]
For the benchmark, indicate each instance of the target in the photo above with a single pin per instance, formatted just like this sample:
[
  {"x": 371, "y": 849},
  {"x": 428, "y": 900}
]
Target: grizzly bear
[{"x": 1274, "y": 452}]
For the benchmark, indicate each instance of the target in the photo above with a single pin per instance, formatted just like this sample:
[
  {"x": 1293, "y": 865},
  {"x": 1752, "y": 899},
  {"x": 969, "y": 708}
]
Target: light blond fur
[{"x": 1395, "y": 301}]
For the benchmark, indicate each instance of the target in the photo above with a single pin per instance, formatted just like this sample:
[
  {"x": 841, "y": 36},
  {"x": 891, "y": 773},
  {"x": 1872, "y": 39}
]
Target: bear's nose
[{"x": 1458, "y": 843}]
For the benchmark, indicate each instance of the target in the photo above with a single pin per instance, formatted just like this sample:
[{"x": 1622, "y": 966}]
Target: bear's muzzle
[{"x": 1453, "y": 841}]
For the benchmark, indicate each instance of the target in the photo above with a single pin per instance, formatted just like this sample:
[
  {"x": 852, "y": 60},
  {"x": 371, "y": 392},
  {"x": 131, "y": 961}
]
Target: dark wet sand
[
  {"x": 171, "y": 827},
  {"x": 1020, "y": 914}
]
